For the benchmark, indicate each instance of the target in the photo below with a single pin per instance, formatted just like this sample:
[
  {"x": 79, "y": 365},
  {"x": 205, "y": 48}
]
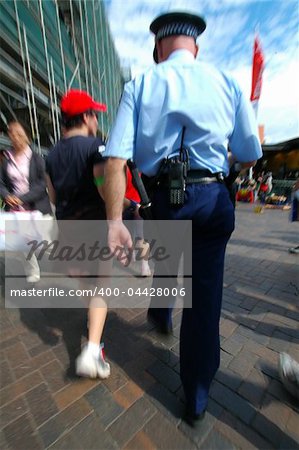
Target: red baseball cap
[{"x": 76, "y": 102}]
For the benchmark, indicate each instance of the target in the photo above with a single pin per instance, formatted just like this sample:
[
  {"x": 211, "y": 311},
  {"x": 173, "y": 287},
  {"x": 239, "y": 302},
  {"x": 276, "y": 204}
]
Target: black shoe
[
  {"x": 193, "y": 419},
  {"x": 161, "y": 327}
]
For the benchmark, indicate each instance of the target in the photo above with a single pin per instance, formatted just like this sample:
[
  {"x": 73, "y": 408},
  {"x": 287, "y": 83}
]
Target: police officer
[{"x": 183, "y": 93}]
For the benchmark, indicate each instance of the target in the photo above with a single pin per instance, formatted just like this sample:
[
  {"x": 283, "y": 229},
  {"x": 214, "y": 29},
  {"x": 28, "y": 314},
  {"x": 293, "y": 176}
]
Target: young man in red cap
[{"x": 74, "y": 175}]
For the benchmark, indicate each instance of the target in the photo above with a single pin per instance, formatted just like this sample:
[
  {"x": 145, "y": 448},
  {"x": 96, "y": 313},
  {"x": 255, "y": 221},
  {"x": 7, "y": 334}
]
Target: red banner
[{"x": 257, "y": 70}]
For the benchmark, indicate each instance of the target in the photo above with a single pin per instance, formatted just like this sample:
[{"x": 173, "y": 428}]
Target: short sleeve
[
  {"x": 121, "y": 141},
  {"x": 244, "y": 141},
  {"x": 96, "y": 152}
]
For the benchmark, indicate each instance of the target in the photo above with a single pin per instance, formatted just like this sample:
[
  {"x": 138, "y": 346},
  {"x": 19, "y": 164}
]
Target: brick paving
[{"x": 43, "y": 406}]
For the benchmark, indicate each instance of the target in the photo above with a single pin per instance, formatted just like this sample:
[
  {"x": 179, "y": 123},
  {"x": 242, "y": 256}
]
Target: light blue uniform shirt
[{"x": 184, "y": 92}]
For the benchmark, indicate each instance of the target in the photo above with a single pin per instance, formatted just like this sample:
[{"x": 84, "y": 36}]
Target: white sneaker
[
  {"x": 145, "y": 269},
  {"x": 87, "y": 365},
  {"x": 33, "y": 278},
  {"x": 288, "y": 370},
  {"x": 294, "y": 250}
]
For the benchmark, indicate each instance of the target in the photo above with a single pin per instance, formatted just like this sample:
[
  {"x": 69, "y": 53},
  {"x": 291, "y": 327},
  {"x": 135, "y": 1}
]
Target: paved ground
[{"x": 139, "y": 406}]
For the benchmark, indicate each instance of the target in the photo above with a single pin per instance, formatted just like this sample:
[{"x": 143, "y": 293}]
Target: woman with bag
[
  {"x": 295, "y": 213},
  {"x": 23, "y": 185}
]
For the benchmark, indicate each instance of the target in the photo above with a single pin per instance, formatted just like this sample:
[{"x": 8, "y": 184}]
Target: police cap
[{"x": 177, "y": 24}]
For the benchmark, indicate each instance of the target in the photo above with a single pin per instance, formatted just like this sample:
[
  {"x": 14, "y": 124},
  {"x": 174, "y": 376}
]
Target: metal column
[
  {"x": 88, "y": 48},
  {"x": 109, "y": 65},
  {"x": 48, "y": 69},
  {"x": 105, "y": 131},
  {"x": 32, "y": 92},
  {"x": 60, "y": 45},
  {"x": 24, "y": 69},
  {"x": 97, "y": 55},
  {"x": 75, "y": 46},
  {"x": 55, "y": 99},
  {"x": 73, "y": 76},
  {"x": 83, "y": 47}
]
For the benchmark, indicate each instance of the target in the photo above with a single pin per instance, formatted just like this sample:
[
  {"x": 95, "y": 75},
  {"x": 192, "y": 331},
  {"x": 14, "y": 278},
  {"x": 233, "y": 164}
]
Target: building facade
[{"x": 47, "y": 47}]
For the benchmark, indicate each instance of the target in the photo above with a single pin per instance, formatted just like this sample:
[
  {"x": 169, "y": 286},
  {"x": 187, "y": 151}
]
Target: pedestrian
[
  {"x": 295, "y": 213},
  {"x": 74, "y": 175},
  {"x": 181, "y": 93},
  {"x": 265, "y": 187},
  {"x": 23, "y": 184}
]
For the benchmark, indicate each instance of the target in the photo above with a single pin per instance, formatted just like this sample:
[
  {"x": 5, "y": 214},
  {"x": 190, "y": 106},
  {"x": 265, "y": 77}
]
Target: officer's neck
[{"x": 173, "y": 43}]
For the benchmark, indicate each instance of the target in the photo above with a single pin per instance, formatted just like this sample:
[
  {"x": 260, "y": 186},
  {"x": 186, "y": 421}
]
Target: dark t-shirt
[{"x": 70, "y": 168}]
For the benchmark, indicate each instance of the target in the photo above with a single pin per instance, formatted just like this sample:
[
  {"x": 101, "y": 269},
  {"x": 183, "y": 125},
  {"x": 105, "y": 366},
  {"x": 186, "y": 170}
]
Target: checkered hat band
[{"x": 177, "y": 29}]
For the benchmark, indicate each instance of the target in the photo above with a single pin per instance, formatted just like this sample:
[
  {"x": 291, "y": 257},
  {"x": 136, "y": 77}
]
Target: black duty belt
[{"x": 196, "y": 176}]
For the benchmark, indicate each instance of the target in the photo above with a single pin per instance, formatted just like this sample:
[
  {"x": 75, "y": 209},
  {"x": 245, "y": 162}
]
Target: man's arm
[
  {"x": 114, "y": 192},
  {"x": 98, "y": 174},
  {"x": 232, "y": 160},
  {"x": 244, "y": 142},
  {"x": 115, "y": 187},
  {"x": 119, "y": 148}
]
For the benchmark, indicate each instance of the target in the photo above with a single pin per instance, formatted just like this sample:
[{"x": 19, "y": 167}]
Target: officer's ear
[
  {"x": 159, "y": 50},
  {"x": 196, "y": 50}
]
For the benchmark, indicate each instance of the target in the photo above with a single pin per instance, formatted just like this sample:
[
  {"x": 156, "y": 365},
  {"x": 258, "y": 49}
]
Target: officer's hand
[{"x": 120, "y": 241}]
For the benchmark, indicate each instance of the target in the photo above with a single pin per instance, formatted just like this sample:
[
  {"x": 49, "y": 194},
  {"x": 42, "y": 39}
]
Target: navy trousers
[{"x": 212, "y": 214}]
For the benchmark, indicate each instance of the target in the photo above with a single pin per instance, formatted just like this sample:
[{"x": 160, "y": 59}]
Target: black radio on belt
[
  {"x": 177, "y": 168},
  {"x": 177, "y": 173}
]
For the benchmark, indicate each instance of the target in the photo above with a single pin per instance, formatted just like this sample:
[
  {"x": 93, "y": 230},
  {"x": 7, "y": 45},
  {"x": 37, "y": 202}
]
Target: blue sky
[{"x": 228, "y": 44}]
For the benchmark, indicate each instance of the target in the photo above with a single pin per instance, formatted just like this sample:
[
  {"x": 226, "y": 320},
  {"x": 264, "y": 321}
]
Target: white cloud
[
  {"x": 218, "y": 42},
  {"x": 284, "y": 127},
  {"x": 282, "y": 88},
  {"x": 279, "y": 103}
]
